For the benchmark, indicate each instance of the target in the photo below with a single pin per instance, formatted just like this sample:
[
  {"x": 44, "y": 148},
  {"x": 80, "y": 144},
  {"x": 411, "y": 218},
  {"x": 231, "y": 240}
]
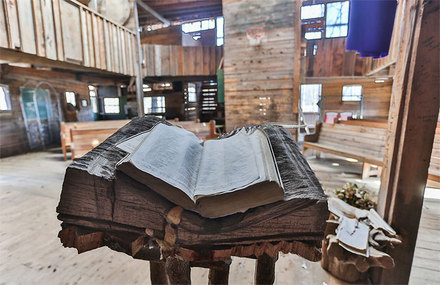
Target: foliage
[{"x": 355, "y": 196}]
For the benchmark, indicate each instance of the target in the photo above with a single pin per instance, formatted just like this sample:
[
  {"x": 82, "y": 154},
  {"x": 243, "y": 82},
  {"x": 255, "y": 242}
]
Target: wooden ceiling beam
[{"x": 153, "y": 12}]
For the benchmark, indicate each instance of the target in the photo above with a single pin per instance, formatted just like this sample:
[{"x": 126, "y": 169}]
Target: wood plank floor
[{"x": 30, "y": 251}]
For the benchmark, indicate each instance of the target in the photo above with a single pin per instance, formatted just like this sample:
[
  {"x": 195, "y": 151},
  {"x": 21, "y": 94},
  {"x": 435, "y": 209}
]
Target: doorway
[{"x": 37, "y": 115}]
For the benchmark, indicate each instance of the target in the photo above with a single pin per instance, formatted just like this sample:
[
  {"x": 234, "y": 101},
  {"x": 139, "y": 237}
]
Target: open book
[{"x": 216, "y": 178}]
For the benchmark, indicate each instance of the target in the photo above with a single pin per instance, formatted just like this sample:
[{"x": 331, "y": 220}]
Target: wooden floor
[{"x": 30, "y": 251}]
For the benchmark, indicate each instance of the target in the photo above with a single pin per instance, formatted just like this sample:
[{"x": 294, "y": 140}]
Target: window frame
[
  {"x": 336, "y": 25},
  {"x": 352, "y": 96},
  {"x": 68, "y": 100},
  {"x": 93, "y": 92},
  {"x": 112, "y": 105},
  {"x": 161, "y": 110},
  {"x": 322, "y": 28},
  {"x": 316, "y": 104},
  {"x": 7, "y": 99}
]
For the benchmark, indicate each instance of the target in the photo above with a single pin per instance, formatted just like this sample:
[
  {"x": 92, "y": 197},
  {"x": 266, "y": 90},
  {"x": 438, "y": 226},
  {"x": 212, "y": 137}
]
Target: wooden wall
[
  {"x": 377, "y": 96},
  {"x": 64, "y": 33},
  {"x": 332, "y": 59},
  {"x": 170, "y": 60},
  {"x": 259, "y": 80},
  {"x": 166, "y": 36},
  {"x": 13, "y": 137}
]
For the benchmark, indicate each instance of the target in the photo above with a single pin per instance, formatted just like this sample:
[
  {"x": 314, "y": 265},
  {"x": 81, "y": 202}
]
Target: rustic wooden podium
[
  {"x": 100, "y": 206},
  {"x": 171, "y": 263}
]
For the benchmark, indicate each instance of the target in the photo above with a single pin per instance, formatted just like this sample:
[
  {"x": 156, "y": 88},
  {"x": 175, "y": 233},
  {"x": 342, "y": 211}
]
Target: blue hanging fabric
[{"x": 371, "y": 26}]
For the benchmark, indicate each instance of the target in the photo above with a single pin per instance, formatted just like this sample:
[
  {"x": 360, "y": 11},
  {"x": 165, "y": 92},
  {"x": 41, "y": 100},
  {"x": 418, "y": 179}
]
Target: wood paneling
[
  {"x": 169, "y": 60},
  {"x": 331, "y": 59},
  {"x": 13, "y": 136},
  {"x": 377, "y": 96},
  {"x": 259, "y": 80},
  {"x": 67, "y": 31},
  {"x": 167, "y": 36}
]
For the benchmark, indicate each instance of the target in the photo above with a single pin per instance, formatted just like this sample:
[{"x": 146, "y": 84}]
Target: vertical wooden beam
[
  {"x": 297, "y": 76},
  {"x": 178, "y": 271},
  {"x": 138, "y": 67},
  {"x": 265, "y": 269},
  {"x": 157, "y": 272},
  {"x": 413, "y": 119},
  {"x": 219, "y": 274}
]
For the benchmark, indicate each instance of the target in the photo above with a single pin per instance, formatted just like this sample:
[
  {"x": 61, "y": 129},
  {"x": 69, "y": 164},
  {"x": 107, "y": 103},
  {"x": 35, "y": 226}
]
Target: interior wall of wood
[
  {"x": 377, "y": 96},
  {"x": 13, "y": 136},
  {"x": 166, "y": 36},
  {"x": 332, "y": 59},
  {"x": 171, "y": 60},
  {"x": 259, "y": 80}
]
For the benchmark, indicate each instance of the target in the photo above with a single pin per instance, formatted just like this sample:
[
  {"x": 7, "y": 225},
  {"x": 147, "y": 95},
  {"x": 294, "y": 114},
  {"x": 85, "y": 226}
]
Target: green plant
[{"x": 355, "y": 196}]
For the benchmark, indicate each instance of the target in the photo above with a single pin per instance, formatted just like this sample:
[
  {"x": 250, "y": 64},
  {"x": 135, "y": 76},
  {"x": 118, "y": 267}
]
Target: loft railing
[{"x": 64, "y": 33}]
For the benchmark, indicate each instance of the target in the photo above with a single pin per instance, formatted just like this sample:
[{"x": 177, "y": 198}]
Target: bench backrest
[
  {"x": 434, "y": 166},
  {"x": 203, "y": 131},
  {"x": 65, "y": 127},
  {"x": 365, "y": 140},
  {"x": 85, "y": 139}
]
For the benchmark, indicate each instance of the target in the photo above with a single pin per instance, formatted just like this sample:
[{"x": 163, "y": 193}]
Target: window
[
  {"x": 312, "y": 11},
  {"x": 93, "y": 99},
  {"x": 111, "y": 105},
  {"x": 70, "y": 98},
  {"x": 146, "y": 88},
  {"x": 5, "y": 99},
  {"x": 163, "y": 86},
  {"x": 192, "y": 95},
  {"x": 330, "y": 19},
  {"x": 313, "y": 35},
  {"x": 352, "y": 93},
  {"x": 310, "y": 96},
  {"x": 336, "y": 22},
  {"x": 220, "y": 31},
  {"x": 194, "y": 28},
  {"x": 154, "y": 105},
  {"x": 198, "y": 26}
]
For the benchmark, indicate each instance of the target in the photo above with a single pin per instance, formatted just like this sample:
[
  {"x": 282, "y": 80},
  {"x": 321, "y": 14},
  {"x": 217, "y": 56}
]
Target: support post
[
  {"x": 412, "y": 121},
  {"x": 265, "y": 269},
  {"x": 138, "y": 67},
  {"x": 178, "y": 271},
  {"x": 219, "y": 274},
  {"x": 157, "y": 272}
]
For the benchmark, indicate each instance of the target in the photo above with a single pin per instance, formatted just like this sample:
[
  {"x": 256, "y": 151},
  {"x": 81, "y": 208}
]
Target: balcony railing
[{"x": 64, "y": 33}]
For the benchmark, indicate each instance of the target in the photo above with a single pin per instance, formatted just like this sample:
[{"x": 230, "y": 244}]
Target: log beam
[
  {"x": 412, "y": 122},
  {"x": 157, "y": 272},
  {"x": 178, "y": 271},
  {"x": 265, "y": 269},
  {"x": 220, "y": 273}
]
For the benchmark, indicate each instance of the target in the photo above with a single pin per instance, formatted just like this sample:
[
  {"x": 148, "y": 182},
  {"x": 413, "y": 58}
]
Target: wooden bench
[
  {"x": 204, "y": 131},
  {"x": 65, "y": 134},
  {"x": 83, "y": 138},
  {"x": 364, "y": 140},
  {"x": 358, "y": 139}
]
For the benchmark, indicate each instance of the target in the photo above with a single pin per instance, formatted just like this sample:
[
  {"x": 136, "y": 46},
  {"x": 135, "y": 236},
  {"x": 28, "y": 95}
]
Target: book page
[
  {"x": 131, "y": 144},
  {"x": 231, "y": 164},
  {"x": 171, "y": 154}
]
